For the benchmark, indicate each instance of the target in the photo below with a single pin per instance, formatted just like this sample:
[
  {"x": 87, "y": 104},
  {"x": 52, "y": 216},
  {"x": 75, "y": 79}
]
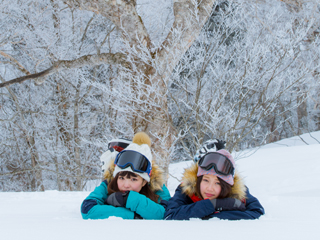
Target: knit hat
[
  {"x": 229, "y": 178},
  {"x": 211, "y": 145},
  {"x": 141, "y": 143}
]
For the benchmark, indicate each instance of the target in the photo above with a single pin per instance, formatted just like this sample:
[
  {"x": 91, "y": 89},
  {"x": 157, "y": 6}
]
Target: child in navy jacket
[{"x": 212, "y": 188}]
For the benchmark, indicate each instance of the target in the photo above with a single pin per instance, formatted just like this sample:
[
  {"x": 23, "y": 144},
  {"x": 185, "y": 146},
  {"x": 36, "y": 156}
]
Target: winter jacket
[
  {"x": 185, "y": 205},
  {"x": 93, "y": 206}
]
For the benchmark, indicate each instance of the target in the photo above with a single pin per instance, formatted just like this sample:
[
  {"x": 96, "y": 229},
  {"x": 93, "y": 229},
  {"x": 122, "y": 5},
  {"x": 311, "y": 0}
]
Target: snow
[{"x": 282, "y": 175}]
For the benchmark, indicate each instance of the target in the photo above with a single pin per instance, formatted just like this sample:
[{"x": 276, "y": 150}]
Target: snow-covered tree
[
  {"x": 248, "y": 76},
  {"x": 182, "y": 70}
]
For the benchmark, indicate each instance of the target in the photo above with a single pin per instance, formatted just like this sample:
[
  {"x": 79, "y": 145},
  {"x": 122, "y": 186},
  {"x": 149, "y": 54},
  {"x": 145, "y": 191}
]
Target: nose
[
  {"x": 211, "y": 186},
  {"x": 126, "y": 183}
]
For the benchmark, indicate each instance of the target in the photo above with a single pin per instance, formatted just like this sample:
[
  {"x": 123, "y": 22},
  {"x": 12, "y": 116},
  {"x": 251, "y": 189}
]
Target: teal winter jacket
[{"x": 93, "y": 207}]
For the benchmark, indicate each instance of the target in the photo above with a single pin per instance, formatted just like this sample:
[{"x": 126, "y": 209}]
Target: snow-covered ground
[{"x": 283, "y": 176}]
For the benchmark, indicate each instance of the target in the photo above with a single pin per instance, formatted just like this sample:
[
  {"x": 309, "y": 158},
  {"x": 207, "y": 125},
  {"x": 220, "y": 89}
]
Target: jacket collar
[{"x": 189, "y": 180}]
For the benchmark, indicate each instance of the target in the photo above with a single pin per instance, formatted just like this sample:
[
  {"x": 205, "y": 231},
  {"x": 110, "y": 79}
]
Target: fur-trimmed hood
[
  {"x": 156, "y": 179},
  {"x": 189, "y": 180}
]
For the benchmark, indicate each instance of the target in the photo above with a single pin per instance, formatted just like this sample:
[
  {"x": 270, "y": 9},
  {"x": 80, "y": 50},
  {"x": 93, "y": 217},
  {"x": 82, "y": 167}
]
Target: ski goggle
[
  {"x": 221, "y": 164},
  {"x": 118, "y": 144},
  {"x": 135, "y": 160}
]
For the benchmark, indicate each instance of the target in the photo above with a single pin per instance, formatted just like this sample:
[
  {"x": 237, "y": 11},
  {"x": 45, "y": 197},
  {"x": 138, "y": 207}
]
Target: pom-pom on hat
[
  {"x": 229, "y": 178},
  {"x": 141, "y": 143}
]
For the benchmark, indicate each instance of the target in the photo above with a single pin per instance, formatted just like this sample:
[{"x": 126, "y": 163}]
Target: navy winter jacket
[{"x": 182, "y": 207}]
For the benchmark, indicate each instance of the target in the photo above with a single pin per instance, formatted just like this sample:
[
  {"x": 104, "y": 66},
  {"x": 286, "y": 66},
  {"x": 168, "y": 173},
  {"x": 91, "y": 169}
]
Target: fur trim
[
  {"x": 108, "y": 173},
  {"x": 189, "y": 181},
  {"x": 156, "y": 178}
]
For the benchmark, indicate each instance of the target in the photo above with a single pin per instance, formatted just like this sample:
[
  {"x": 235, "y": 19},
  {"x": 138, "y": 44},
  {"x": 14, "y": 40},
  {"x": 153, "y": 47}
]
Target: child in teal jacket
[{"x": 129, "y": 190}]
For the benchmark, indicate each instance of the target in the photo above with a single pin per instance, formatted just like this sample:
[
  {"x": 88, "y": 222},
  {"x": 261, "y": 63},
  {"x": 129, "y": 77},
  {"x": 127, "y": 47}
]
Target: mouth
[{"x": 209, "y": 195}]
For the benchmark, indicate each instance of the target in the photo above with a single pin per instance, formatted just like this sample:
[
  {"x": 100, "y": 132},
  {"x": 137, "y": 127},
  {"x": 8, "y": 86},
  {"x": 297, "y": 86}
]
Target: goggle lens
[
  {"x": 136, "y": 160},
  {"x": 117, "y": 148},
  {"x": 219, "y": 162},
  {"x": 119, "y": 145}
]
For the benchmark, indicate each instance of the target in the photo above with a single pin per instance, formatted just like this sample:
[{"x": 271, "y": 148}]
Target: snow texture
[{"x": 282, "y": 175}]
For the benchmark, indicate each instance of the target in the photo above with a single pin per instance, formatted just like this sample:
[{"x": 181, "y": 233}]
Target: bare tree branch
[
  {"x": 190, "y": 15},
  {"x": 122, "y": 13},
  {"x": 15, "y": 62},
  {"x": 89, "y": 60}
]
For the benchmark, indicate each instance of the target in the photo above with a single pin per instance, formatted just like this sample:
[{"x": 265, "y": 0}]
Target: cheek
[
  {"x": 119, "y": 183},
  {"x": 218, "y": 189},
  {"x": 137, "y": 186},
  {"x": 202, "y": 187}
]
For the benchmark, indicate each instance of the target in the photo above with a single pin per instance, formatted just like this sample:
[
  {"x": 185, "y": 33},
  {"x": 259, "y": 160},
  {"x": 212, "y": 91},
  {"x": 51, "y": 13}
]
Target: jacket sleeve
[
  {"x": 253, "y": 210},
  {"x": 181, "y": 207},
  {"x": 164, "y": 193},
  {"x": 145, "y": 207},
  {"x": 93, "y": 206}
]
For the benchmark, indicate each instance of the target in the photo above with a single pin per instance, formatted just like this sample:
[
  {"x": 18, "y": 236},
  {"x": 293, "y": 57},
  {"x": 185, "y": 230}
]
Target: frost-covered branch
[
  {"x": 190, "y": 16},
  {"x": 90, "y": 60},
  {"x": 122, "y": 13}
]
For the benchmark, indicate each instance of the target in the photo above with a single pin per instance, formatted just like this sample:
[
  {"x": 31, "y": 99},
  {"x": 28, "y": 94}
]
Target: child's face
[
  {"x": 130, "y": 184},
  {"x": 210, "y": 187}
]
